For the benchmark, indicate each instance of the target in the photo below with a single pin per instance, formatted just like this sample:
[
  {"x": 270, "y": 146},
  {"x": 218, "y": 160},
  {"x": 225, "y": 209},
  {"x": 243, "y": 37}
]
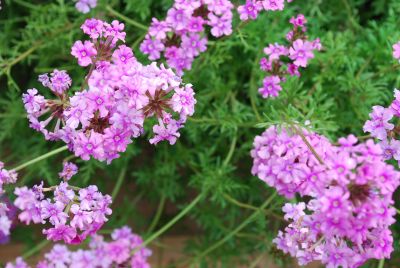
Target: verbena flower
[
  {"x": 123, "y": 250},
  {"x": 118, "y": 95},
  {"x": 252, "y": 8},
  {"x": 74, "y": 213},
  {"x": 85, "y": 6},
  {"x": 286, "y": 61},
  {"x": 347, "y": 218},
  {"x": 396, "y": 51},
  {"x": 181, "y": 36}
]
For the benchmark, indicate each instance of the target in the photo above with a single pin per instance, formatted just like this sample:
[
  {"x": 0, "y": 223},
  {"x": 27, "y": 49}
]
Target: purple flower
[
  {"x": 53, "y": 212},
  {"x": 114, "y": 31},
  {"x": 193, "y": 44},
  {"x": 275, "y": 51},
  {"x": 162, "y": 133},
  {"x": 84, "y": 52},
  {"x": 60, "y": 232},
  {"x": 69, "y": 170},
  {"x": 273, "y": 4},
  {"x": 271, "y": 87},
  {"x": 249, "y": 10},
  {"x": 60, "y": 81},
  {"x": 379, "y": 123},
  {"x": 93, "y": 27},
  {"x": 84, "y": 6},
  {"x": 152, "y": 47},
  {"x": 123, "y": 55},
  {"x": 301, "y": 52},
  {"x": 396, "y": 51}
]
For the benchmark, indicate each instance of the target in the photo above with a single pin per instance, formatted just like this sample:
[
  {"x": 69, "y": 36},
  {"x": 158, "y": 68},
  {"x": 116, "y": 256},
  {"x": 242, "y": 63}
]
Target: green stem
[
  {"x": 257, "y": 261},
  {"x": 381, "y": 263},
  {"x": 398, "y": 211},
  {"x": 238, "y": 229},
  {"x": 157, "y": 217},
  {"x": 35, "y": 249},
  {"x": 42, "y": 157},
  {"x": 301, "y": 134},
  {"x": 253, "y": 89},
  {"x": 231, "y": 151},
  {"x": 171, "y": 222},
  {"x": 128, "y": 20},
  {"x": 240, "y": 204},
  {"x": 119, "y": 182}
]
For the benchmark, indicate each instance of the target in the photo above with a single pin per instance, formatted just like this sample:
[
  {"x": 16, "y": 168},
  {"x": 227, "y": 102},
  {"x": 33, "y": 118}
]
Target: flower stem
[
  {"x": 40, "y": 158},
  {"x": 240, "y": 204},
  {"x": 231, "y": 151},
  {"x": 35, "y": 249},
  {"x": 128, "y": 20},
  {"x": 238, "y": 229},
  {"x": 157, "y": 217},
  {"x": 171, "y": 222},
  {"x": 381, "y": 263},
  {"x": 119, "y": 182}
]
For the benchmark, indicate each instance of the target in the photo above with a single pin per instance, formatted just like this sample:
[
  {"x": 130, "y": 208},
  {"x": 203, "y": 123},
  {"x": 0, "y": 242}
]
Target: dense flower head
[
  {"x": 125, "y": 249},
  {"x": 7, "y": 215},
  {"x": 74, "y": 213},
  {"x": 85, "y": 6},
  {"x": 252, "y": 8},
  {"x": 283, "y": 61},
  {"x": 116, "y": 98},
  {"x": 349, "y": 187},
  {"x": 383, "y": 126},
  {"x": 181, "y": 36},
  {"x": 69, "y": 170},
  {"x": 7, "y": 210}
]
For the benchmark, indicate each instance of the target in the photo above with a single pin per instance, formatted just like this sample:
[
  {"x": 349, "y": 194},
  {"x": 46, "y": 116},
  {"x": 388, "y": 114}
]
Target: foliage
[{"x": 354, "y": 71}]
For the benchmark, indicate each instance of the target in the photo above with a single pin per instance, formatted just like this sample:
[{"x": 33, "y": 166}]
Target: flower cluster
[
  {"x": 85, "y": 6},
  {"x": 75, "y": 213},
  {"x": 252, "y": 8},
  {"x": 297, "y": 54},
  {"x": 6, "y": 177},
  {"x": 396, "y": 51},
  {"x": 346, "y": 222},
  {"x": 381, "y": 127},
  {"x": 181, "y": 36},
  {"x": 115, "y": 253},
  {"x": 101, "y": 120},
  {"x": 8, "y": 213}
]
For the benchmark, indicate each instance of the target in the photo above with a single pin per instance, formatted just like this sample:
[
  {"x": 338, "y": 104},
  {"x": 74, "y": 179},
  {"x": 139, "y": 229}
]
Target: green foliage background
[{"x": 354, "y": 71}]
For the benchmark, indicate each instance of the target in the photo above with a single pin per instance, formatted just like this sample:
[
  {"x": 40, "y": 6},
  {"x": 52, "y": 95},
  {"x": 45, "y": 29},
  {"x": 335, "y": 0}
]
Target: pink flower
[
  {"x": 84, "y": 6},
  {"x": 69, "y": 170},
  {"x": 169, "y": 133},
  {"x": 301, "y": 52},
  {"x": 275, "y": 51},
  {"x": 84, "y": 52},
  {"x": 379, "y": 123},
  {"x": 249, "y": 10},
  {"x": 61, "y": 232},
  {"x": 271, "y": 87},
  {"x": 396, "y": 51},
  {"x": 115, "y": 31},
  {"x": 93, "y": 27}
]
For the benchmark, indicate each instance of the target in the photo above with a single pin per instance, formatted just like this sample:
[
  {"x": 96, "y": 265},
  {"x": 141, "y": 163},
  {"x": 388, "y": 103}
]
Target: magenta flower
[
  {"x": 114, "y": 31},
  {"x": 162, "y": 133},
  {"x": 69, "y": 170},
  {"x": 53, "y": 212},
  {"x": 273, "y": 4},
  {"x": 271, "y": 87},
  {"x": 84, "y": 6},
  {"x": 93, "y": 27},
  {"x": 396, "y": 51},
  {"x": 84, "y": 52},
  {"x": 249, "y": 10},
  {"x": 275, "y": 51},
  {"x": 152, "y": 47},
  {"x": 379, "y": 123},
  {"x": 301, "y": 52},
  {"x": 60, "y": 232},
  {"x": 193, "y": 44}
]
